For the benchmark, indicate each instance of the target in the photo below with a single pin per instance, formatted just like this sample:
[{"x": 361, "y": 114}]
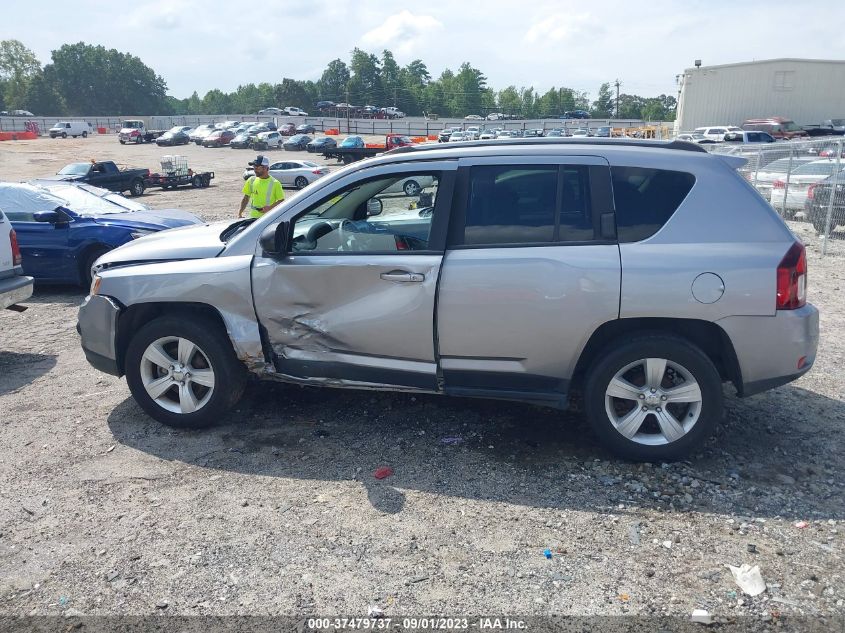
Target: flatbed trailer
[
  {"x": 175, "y": 173},
  {"x": 350, "y": 154}
]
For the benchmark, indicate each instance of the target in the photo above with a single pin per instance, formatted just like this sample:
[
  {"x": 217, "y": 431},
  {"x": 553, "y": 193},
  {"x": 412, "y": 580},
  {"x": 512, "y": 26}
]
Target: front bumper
[
  {"x": 773, "y": 351},
  {"x": 97, "y": 327},
  {"x": 14, "y": 289}
]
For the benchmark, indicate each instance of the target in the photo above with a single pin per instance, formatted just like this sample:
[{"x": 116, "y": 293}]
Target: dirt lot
[{"x": 276, "y": 511}]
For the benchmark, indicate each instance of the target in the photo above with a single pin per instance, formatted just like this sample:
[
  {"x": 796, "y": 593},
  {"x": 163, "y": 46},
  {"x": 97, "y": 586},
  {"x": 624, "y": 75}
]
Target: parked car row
[{"x": 364, "y": 112}]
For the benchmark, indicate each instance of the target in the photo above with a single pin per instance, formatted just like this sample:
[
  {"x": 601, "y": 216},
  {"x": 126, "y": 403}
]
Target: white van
[
  {"x": 70, "y": 128},
  {"x": 14, "y": 285}
]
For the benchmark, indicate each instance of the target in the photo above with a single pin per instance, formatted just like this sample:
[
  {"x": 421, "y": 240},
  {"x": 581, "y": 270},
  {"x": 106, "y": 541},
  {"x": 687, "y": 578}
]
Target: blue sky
[{"x": 204, "y": 44}]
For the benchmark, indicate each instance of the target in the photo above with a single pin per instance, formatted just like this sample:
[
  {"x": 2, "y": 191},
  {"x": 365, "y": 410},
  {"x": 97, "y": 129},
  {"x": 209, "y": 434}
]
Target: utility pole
[
  {"x": 347, "y": 109},
  {"x": 617, "y": 84}
]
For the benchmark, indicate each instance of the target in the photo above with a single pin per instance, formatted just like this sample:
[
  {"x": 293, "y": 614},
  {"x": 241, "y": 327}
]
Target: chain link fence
[{"x": 803, "y": 180}]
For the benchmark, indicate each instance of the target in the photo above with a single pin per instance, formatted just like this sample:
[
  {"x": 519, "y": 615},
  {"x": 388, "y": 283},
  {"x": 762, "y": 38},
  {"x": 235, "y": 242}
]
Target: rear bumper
[
  {"x": 97, "y": 327},
  {"x": 773, "y": 351},
  {"x": 14, "y": 289}
]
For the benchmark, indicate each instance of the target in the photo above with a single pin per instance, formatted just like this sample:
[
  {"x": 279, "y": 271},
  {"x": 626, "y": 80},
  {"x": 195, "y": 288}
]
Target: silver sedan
[{"x": 296, "y": 173}]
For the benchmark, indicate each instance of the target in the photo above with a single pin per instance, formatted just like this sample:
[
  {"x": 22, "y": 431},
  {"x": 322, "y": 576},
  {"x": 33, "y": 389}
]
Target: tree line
[{"x": 82, "y": 79}]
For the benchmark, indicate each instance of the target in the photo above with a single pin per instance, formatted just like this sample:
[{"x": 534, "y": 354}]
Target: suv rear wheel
[
  {"x": 653, "y": 398},
  {"x": 184, "y": 373}
]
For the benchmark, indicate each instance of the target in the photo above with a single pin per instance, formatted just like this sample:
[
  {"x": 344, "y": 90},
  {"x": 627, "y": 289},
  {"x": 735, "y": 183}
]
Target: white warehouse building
[{"x": 808, "y": 91}]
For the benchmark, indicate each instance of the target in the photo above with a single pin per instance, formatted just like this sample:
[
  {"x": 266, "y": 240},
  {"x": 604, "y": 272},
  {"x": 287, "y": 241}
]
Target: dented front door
[{"x": 358, "y": 317}]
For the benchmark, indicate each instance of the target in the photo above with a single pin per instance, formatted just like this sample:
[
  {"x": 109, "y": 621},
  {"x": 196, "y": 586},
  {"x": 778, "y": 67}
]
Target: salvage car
[
  {"x": 178, "y": 135},
  {"x": 60, "y": 236},
  {"x": 218, "y": 138},
  {"x": 320, "y": 144},
  {"x": 297, "y": 142},
  {"x": 525, "y": 272}
]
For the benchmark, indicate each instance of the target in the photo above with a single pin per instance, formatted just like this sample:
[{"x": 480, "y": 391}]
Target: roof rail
[{"x": 613, "y": 142}]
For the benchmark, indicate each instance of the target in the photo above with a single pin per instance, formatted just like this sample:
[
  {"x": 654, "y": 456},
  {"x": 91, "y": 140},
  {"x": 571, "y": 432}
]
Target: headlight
[
  {"x": 137, "y": 234},
  {"x": 95, "y": 285}
]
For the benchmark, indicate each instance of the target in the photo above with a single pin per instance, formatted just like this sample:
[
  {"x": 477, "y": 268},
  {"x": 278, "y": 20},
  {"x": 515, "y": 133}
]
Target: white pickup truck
[{"x": 14, "y": 286}]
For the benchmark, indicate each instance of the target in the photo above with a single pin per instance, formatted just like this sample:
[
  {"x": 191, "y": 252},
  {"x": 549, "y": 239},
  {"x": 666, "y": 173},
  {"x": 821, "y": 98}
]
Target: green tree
[
  {"x": 604, "y": 105},
  {"x": 96, "y": 80},
  {"x": 18, "y": 66},
  {"x": 216, "y": 102},
  {"x": 43, "y": 97},
  {"x": 390, "y": 78},
  {"x": 332, "y": 84},
  {"x": 510, "y": 101},
  {"x": 365, "y": 86}
]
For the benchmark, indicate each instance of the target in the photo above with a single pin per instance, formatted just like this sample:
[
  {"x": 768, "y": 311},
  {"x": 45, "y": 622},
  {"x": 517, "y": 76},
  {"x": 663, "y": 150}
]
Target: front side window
[
  {"x": 388, "y": 214},
  {"x": 645, "y": 199}
]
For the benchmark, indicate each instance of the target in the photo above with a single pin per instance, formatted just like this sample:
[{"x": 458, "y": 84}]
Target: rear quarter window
[{"x": 645, "y": 199}]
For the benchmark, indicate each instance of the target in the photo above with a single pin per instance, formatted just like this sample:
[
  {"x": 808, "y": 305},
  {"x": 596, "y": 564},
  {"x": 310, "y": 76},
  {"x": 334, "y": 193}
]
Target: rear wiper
[{"x": 233, "y": 229}]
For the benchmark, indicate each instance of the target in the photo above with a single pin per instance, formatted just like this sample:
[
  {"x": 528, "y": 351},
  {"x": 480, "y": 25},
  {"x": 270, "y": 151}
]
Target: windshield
[
  {"x": 837, "y": 122},
  {"x": 790, "y": 126},
  {"x": 83, "y": 202},
  {"x": 815, "y": 169},
  {"x": 133, "y": 124},
  {"x": 173, "y": 130},
  {"x": 75, "y": 169}
]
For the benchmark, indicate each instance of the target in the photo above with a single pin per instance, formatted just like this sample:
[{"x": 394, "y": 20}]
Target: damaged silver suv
[{"x": 641, "y": 274}]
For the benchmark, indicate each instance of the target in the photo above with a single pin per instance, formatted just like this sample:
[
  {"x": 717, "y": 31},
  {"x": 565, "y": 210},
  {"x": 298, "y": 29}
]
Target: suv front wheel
[
  {"x": 653, "y": 398},
  {"x": 183, "y": 371}
]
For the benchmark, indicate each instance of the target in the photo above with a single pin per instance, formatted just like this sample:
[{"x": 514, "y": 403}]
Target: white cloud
[
  {"x": 402, "y": 33},
  {"x": 164, "y": 15},
  {"x": 557, "y": 27}
]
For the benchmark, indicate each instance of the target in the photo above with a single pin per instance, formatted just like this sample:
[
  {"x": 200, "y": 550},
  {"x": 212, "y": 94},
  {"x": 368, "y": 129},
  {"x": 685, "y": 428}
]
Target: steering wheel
[
  {"x": 345, "y": 231},
  {"x": 315, "y": 232}
]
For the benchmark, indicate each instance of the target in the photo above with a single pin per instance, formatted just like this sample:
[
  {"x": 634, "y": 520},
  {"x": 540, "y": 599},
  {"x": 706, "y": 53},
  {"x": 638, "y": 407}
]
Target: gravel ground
[{"x": 277, "y": 510}]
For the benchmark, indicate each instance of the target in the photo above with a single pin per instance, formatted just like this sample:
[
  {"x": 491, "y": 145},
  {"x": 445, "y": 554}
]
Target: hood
[
  {"x": 65, "y": 177},
  {"x": 129, "y": 130},
  {"x": 152, "y": 220},
  {"x": 190, "y": 242}
]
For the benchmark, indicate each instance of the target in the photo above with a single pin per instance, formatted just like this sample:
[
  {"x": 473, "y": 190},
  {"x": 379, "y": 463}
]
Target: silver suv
[{"x": 639, "y": 274}]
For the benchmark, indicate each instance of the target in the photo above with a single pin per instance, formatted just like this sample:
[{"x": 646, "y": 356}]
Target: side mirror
[
  {"x": 374, "y": 207},
  {"x": 50, "y": 217},
  {"x": 274, "y": 239}
]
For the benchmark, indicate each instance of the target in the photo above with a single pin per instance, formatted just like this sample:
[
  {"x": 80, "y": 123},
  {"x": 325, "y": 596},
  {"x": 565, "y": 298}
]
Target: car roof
[{"x": 538, "y": 146}]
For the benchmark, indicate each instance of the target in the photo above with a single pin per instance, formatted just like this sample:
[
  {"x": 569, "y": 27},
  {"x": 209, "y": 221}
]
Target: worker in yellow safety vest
[{"x": 261, "y": 191}]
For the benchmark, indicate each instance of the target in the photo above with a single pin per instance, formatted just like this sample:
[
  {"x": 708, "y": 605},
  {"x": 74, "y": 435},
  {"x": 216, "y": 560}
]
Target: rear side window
[
  {"x": 528, "y": 204},
  {"x": 646, "y": 198}
]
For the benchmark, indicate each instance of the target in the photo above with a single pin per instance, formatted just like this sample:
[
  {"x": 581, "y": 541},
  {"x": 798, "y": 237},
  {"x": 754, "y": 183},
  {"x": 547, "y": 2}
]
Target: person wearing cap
[{"x": 261, "y": 191}]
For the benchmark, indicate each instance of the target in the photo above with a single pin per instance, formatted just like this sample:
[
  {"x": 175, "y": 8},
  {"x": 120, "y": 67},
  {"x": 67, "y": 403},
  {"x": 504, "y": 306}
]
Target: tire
[
  {"x": 300, "y": 182},
  {"x": 123, "y": 142},
  {"x": 691, "y": 421},
  {"x": 411, "y": 188},
  {"x": 347, "y": 159},
  {"x": 201, "y": 404},
  {"x": 136, "y": 187},
  {"x": 91, "y": 256},
  {"x": 85, "y": 135},
  {"x": 206, "y": 180},
  {"x": 64, "y": 134},
  {"x": 196, "y": 181}
]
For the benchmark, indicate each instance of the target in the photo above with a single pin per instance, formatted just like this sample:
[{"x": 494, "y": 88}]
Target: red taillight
[
  {"x": 778, "y": 184},
  {"x": 317, "y": 172},
  {"x": 16, "y": 250},
  {"x": 811, "y": 192},
  {"x": 792, "y": 278}
]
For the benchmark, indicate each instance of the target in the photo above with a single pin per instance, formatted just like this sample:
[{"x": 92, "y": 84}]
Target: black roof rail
[{"x": 612, "y": 142}]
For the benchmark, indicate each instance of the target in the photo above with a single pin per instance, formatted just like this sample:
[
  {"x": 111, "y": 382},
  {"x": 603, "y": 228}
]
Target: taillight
[
  {"x": 16, "y": 249},
  {"x": 778, "y": 184},
  {"x": 792, "y": 278},
  {"x": 317, "y": 172},
  {"x": 811, "y": 192}
]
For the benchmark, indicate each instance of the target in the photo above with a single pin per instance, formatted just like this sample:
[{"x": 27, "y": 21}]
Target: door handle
[{"x": 403, "y": 276}]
